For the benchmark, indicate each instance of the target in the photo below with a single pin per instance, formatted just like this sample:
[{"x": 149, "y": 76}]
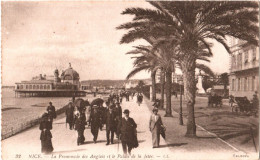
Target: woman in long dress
[
  {"x": 155, "y": 125},
  {"x": 46, "y": 136}
]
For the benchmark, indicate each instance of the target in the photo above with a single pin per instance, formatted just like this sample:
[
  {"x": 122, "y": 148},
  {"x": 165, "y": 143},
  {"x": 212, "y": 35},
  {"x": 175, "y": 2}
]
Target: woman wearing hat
[
  {"x": 46, "y": 136},
  {"x": 155, "y": 125}
]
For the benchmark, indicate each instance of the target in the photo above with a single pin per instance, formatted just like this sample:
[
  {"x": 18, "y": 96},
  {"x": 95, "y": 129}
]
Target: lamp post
[{"x": 180, "y": 112}]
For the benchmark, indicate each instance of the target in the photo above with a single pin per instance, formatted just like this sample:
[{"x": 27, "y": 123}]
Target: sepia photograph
[{"x": 129, "y": 79}]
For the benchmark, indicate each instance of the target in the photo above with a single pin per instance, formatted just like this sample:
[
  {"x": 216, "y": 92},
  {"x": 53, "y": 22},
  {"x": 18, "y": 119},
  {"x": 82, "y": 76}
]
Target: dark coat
[
  {"x": 127, "y": 129},
  {"x": 118, "y": 111},
  {"x": 69, "y": 115},
  {"x": 95, "y": 119},
  {"x": 52, "y": 112},
  {"x": 45, "y": 135},
  {"x": 111, "y": 121},
  {"x": 80, "y": 122}
]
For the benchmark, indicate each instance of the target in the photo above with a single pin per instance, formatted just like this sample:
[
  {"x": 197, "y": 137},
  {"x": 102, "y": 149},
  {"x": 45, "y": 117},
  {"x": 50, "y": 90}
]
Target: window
[
  {"x": 41, "y": 87},
  {"x": 253, "y": 54},
  {"x": 34, "y": 87},
  {"x": 44, "y": 87},
  {"x": 30, "y": 86},
  {"x": 233, "y": 61},
  {"x": 248, "y": 83},
  {"x": 246, "y": 57},
  {"x": 26, "y": 86},
  {"x": 37, "y": 87},
  {"x": 253, "y": 83},
  {"x": 238, "y": 84},
  {"x": 245, "y": 84},
  {"x": 48, "y": 86},
  {"x": 233, "y": 84}
]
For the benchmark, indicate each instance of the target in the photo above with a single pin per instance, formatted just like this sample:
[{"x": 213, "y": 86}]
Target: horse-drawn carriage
[
  {"x": 242, "y": 104},
  {"x": 214, "y": 100}
]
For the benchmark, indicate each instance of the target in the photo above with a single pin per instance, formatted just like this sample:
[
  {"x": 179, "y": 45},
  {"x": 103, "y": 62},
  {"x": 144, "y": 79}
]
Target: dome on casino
[{"x": 70, "y": 74}]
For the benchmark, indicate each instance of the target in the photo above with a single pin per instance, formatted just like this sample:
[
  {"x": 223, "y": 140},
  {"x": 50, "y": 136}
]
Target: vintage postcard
[{"x": 153, "y": 80}]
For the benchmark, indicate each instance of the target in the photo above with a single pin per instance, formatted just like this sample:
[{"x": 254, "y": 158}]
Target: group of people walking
[{"x": 123, "y": 127}]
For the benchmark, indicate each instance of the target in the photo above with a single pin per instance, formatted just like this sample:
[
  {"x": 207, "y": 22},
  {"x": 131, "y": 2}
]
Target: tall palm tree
[
  {"x": 144, "y": 62},
  {"x": 162, "y": 81},
  {"x": 190, "y": 24},
  {"x": 163, "y": 51}
]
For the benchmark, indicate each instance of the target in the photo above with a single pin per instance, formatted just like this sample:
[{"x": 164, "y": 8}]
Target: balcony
[{"x": 245, "y": 66}]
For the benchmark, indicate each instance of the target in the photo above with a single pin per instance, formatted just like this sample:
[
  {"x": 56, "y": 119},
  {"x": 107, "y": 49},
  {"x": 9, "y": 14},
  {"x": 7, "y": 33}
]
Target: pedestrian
[
  {"x": 110, "y": 125},
  {"x": 127, "y": 133},
  {"x": 51, "y": 112},
  {"x": 69, "y": 115},
  {"x": 139, "y": 99},
  {"x": 46, "y": 136},
  {"x": 255, "y": 100},
  {"x": 118, "y": 110},
  {"x": 231, "y": 102},
  {"x": 96, "y": 122},
  {"x": 80, "y": 121},
  {"x": 155, "y": 126}
]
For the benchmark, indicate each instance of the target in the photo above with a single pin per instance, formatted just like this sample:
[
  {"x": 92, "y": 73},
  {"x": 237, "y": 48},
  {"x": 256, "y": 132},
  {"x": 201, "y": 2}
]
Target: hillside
[{"x": 110, "y": 82}]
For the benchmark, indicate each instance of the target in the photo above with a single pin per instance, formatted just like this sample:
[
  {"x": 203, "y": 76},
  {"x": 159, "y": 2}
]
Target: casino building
[{"x": 66, "y": 85}]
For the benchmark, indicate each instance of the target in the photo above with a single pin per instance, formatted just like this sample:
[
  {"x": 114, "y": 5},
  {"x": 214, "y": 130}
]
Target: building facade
[
  {"x": 244, "y": 69},
  {"x": 67, "y": 84}
]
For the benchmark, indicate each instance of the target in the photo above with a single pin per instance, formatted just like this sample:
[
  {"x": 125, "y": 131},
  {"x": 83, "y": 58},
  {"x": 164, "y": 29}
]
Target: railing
[{"x": 27, "y": 125}]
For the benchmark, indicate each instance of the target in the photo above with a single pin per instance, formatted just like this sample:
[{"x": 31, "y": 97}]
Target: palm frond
[{"x": 205, "y": 69}]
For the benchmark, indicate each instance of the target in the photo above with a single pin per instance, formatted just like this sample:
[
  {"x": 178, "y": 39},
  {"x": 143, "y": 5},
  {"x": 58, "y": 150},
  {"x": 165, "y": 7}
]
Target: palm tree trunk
[
  {"x": 168, "y": 94},
  {"x": 162, "y": 88},
  {"x": 153, "y": 74},
  {"x": 188, "y": 68}
]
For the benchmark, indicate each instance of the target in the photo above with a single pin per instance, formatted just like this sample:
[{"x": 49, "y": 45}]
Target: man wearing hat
[
  {"x": 96, "y": 122},
  {"x": 155, "y": 126},
  {"x": 51, "y": 111},
  {"x": 69, "y": 115},
  {"x": 110, "y": 125},
  {"x": 127, "y": 132},
  {"x": 80, "y": 122},
  {"x": 118, "y": 110}
]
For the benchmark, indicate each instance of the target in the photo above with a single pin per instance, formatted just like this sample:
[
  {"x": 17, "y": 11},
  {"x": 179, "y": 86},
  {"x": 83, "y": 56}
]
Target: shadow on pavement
[
  {"x": 206, "y": 137},
  {"x": 69, "y": 151},
  {"x": 141, "y": 141},
  {"x": 173, "y": 145},
  {"x": 58, "y": 122}
]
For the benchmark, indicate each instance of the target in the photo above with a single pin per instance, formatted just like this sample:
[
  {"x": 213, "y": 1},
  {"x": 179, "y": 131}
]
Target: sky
[{"x": 38, "y": 37}]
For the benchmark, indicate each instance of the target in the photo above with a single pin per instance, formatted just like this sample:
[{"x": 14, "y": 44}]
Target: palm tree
[
  {"x": 144, "y": 62},
  {"x": 189, "y": 24},
  {"x": 162, "y": 80},
  {"x": 162, "y": 50}
]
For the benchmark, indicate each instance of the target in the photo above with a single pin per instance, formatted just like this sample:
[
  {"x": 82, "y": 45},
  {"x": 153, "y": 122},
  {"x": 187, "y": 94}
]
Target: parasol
[{"x": 97, "y": 101}]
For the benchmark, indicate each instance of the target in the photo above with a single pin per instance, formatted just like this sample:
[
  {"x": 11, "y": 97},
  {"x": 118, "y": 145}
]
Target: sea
[{"x": 17, "y": 111}]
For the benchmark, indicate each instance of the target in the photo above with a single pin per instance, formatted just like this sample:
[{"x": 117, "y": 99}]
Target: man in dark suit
[
  {"x": 127, "y": 133},
  {"x": 110, "y": 125},
  {"x": 51, "y": 111},
  {"x": 80, "y": 122},
  {"x": 118, "y": 110},
  {"x": 96, "y": 122},
  {"x": 69, "y": 115}
]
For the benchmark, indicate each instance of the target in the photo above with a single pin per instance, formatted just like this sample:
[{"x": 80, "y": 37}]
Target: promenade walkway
[
  {"x": 176, "y": 145},
  {"x": 64, "y": 141}
]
